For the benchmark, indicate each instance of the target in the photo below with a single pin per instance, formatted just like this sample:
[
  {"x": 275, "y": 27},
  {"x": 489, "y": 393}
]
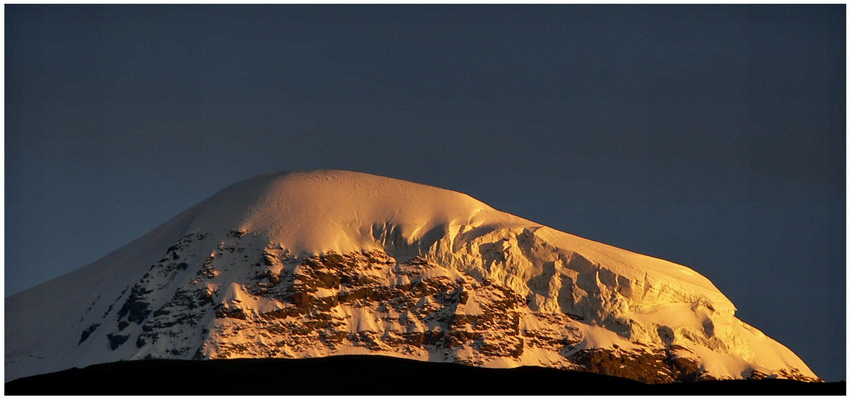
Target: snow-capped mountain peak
[{"x": 317, "y": 263}]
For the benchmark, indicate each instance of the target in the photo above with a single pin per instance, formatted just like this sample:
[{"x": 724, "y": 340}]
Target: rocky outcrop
[{"x": 370, "y": 302}]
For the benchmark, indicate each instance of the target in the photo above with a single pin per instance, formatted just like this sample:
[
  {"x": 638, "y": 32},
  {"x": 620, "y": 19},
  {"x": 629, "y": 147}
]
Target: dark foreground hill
[{"x": 361, "y": 375}]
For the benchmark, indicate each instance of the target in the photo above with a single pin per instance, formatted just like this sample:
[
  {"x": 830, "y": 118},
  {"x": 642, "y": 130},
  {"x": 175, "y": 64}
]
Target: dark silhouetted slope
[{"x": 361, "y": 375}]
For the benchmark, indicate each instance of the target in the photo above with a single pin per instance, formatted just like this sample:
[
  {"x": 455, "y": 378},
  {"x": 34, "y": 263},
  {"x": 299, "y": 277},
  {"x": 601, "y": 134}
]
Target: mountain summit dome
[
  {"x": 316, "y": 211},
  {"x": 318, "y": 263}
]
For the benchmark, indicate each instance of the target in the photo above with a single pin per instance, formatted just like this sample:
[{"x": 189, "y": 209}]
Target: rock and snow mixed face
[{"x": 311, "y": 264}]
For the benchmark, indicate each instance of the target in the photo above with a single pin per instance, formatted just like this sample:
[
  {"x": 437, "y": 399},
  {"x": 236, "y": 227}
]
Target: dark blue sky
[{"x": 712, "y": 136}]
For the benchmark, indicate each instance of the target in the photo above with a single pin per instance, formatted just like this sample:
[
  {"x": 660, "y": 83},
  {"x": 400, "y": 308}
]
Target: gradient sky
[{"x": 711, "y": 136}]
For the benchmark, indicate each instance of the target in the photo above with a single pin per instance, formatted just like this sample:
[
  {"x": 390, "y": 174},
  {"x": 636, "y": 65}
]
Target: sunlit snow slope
[{"x": 310, "y": 264}]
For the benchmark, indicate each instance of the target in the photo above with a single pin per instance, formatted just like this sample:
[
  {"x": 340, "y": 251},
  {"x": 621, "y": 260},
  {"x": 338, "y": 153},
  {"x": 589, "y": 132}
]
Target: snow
[
  {"x": 317, "y": 211},
  {"x": 622, "y": 296}
]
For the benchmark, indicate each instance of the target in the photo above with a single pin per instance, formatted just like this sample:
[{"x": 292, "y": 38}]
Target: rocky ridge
[{"x": 370, "y": 302}]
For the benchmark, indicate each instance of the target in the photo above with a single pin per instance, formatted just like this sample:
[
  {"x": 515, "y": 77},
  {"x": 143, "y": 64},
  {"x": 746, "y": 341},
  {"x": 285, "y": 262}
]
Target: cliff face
[{"x": 331, "y": 262}]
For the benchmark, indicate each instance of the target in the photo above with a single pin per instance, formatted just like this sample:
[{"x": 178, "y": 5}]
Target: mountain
[{"x": 318, "y": 263}]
